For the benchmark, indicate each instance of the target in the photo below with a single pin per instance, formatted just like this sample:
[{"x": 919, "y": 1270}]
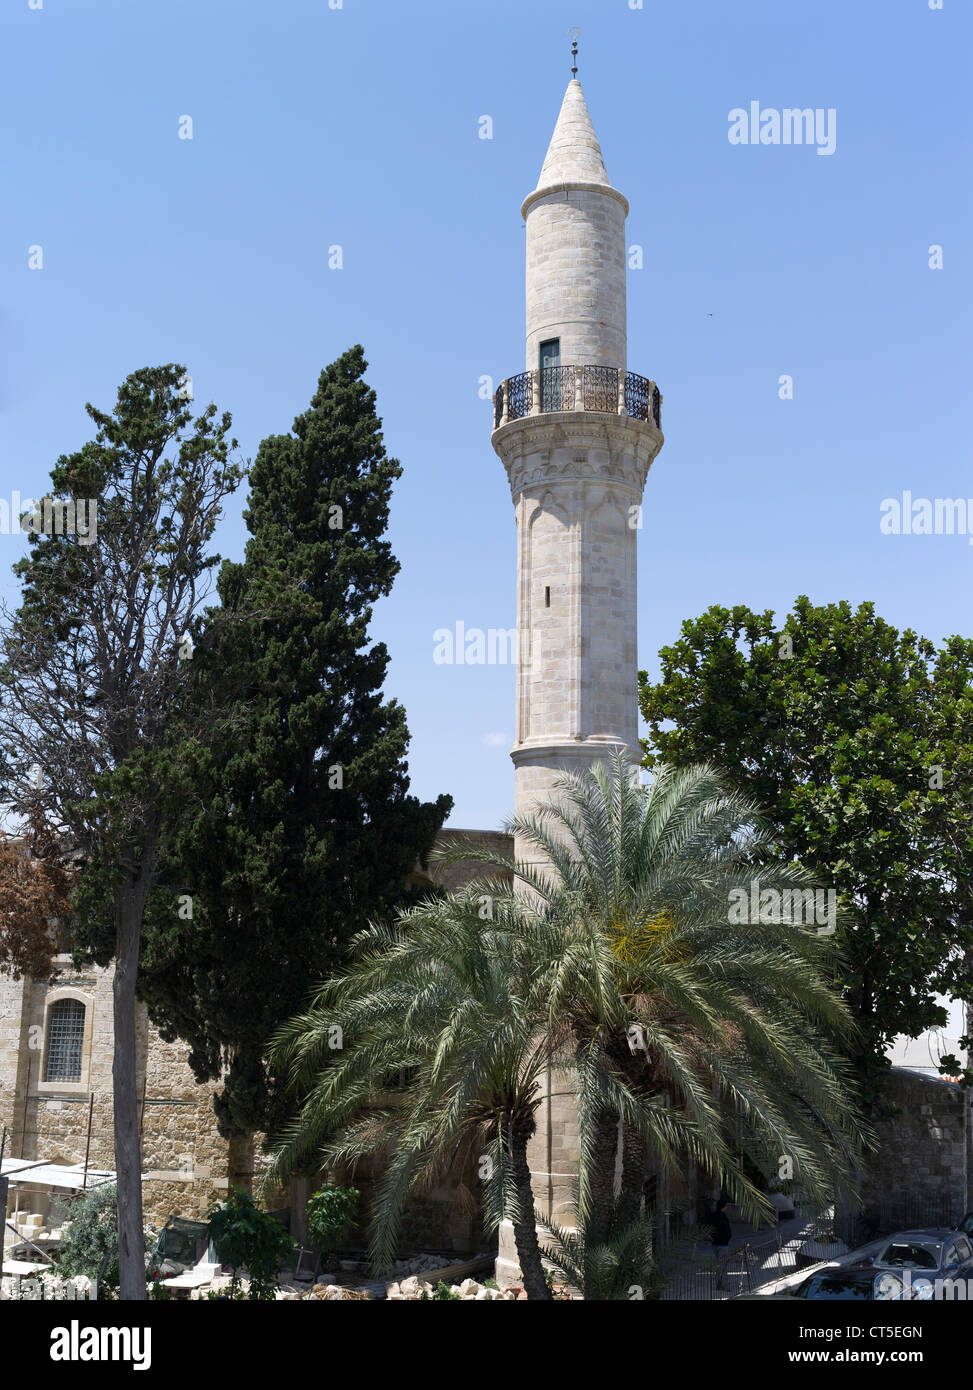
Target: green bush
[
  {"x": 441, "y": 1293},
  {"x": 615, "y": 1269},
  {"x": 246, "y": 1237},
  {"x": 91, "y": 1233},
  {"x": 330, "y": 1214}
]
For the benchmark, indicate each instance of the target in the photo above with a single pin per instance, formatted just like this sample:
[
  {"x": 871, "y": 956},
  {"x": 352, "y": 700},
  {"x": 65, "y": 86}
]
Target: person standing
[{"x": 719, "y": 1223}]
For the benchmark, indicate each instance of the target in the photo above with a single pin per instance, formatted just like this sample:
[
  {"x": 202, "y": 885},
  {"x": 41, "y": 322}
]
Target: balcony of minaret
[{"x": 592, "y": 389}]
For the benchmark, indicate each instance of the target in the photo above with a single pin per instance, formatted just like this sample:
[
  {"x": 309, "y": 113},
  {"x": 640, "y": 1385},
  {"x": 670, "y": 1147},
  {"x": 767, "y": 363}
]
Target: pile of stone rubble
[
  {"x": 419, "y": 1264},
  {"x": 409, "y": 1288},
  {"x": 46, "y": 1287},
  {"x": 469, "y": 1290}
]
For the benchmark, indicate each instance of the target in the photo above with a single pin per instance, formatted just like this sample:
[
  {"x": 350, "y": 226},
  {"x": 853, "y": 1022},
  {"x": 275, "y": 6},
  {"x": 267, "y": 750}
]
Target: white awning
[{"x": 35, "y": 1172}]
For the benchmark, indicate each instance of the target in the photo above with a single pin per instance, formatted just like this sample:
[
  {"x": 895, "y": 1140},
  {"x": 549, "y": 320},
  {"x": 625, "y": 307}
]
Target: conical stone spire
[{"x": 574, "y": 155}]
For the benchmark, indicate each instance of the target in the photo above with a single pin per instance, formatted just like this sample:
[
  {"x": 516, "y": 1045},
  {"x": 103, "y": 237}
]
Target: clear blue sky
[{"x": 358, "y": 126}]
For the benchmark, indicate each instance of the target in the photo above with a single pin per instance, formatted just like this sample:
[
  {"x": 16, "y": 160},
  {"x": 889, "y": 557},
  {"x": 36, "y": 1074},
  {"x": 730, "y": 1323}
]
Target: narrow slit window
[
  {"x": 547, "y": 596},
  {"x": 65, "y": 1041}
]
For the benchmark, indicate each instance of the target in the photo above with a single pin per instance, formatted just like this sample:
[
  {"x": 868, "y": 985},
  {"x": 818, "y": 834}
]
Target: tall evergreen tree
[{"x": 297, "y": 825}]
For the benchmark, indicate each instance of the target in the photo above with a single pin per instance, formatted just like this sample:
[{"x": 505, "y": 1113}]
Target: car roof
[{"x": 924, "y": 1233}]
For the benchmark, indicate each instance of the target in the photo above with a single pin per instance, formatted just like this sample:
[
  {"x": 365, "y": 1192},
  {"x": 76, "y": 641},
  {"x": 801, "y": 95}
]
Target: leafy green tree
[
  {"x": 855, "y": 738},
  {"x": 296, "y": 825},
  {"x": 951, "y": 741},
  {"x": 92, "y": 680},
  {"x": 245, "y": 1237}
]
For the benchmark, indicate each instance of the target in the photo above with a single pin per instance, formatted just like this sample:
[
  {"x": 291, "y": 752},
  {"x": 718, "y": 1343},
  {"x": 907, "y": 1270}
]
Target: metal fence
[
  {"x": 695, "y": 1272},
  {"x": 707, "y": 1276},
  {"x": 898, "y": 1212}
]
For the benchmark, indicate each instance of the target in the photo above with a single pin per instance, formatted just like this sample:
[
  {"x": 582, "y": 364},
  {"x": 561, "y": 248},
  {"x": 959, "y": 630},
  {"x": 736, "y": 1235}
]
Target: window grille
[{"x": 65, "y": 1041}]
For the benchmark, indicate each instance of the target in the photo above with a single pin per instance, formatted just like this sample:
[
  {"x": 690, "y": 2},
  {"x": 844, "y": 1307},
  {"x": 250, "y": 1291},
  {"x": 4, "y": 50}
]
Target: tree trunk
[
  {"x": 525, "y": 1230},
  {"x": 633, "y": 1175},
  {"x": 128, "y": 1157},
  {"x": 601, "y": 1180}
]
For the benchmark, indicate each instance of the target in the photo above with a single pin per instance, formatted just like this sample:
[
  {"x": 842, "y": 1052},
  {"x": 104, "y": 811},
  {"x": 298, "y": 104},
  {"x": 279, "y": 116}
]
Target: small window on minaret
[
  {"x": 547, "y": 596},
  {"x": 550, "y": 354},
  {"x": 550, "y": 360}
]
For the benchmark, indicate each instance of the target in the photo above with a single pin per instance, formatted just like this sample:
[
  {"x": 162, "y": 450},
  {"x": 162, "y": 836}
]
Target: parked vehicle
[
  {"x": 905, "y": 1266},
  {"x": 854, "y": 1283}
]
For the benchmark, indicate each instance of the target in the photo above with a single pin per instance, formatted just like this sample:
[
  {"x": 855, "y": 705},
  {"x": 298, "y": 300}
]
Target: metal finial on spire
[{"x": 574, "y": 32}]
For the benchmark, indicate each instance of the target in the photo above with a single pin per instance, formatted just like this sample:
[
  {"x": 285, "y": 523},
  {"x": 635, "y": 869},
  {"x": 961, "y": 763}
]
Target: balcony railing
[{"x": 607, "y": 390}]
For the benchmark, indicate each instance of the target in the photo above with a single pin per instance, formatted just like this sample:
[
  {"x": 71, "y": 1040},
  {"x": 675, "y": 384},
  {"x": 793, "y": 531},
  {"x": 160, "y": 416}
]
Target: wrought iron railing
[
  {"x": 520, "y": 395},
  {"x": 601, "y": 389},
  {"x": 589, "y": 388},
  {"x": 557, "y": 388},
  {"x": 642, "y": 398}
]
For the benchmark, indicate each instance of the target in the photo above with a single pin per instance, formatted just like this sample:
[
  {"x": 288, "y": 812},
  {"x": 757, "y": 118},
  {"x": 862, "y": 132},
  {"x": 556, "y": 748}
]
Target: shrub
[
  {"x": 330, "y": 1214},
  {"x": 442, "y": 1292},
  {"x": 91, "y": 1236},
  {"x": 246, "y": 1237},
  {"x": 615, "y": 1269}
]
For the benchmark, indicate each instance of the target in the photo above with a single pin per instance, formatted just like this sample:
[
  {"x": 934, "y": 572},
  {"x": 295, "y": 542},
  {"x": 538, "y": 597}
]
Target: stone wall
[
  {"x": 186, "y": 1164},
  {"x": 443, "y": 1217},
  {"x": 922, "y": 1171},
  {"x": 453, "y": 877}
]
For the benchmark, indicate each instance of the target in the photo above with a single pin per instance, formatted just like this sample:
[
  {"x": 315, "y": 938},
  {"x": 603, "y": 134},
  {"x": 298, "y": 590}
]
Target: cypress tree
[{"x": 296, "y": 826}]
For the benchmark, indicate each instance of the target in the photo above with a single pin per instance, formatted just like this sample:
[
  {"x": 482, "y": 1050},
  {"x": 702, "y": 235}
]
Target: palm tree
[
  {"x": 626, "y": 927},
  {"x": 453, "y": 997},
  {"x": 731, "y": 1029}
]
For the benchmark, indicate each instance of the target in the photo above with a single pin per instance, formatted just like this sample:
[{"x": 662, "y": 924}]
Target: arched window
[{"x": 65, "y": 1040}]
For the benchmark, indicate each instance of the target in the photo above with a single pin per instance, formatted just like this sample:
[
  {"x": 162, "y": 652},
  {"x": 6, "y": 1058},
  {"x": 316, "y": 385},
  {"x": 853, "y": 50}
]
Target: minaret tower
[{"x": 577, "y": 433}]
